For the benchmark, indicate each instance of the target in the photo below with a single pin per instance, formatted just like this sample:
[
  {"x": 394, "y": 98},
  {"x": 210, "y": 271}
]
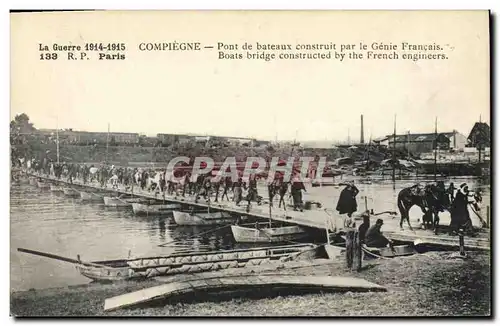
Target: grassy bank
[{"x": 431, "y": 284}]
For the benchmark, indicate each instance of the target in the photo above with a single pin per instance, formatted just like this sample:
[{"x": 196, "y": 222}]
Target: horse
[
  {"x": 435, "y": 201},
  {"x": 408, "y": 197}
]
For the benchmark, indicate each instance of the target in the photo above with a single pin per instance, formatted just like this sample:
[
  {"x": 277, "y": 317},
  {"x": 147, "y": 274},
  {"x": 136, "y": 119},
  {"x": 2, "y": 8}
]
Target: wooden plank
[
  {"x": 321, "y": 283},
  {"x": 145, "y": 295},
  {"x": 470, "y": 243}
]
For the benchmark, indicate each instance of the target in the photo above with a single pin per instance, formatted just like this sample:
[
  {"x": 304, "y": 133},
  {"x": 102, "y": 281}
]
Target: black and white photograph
[{"x": 250, "y": 164}]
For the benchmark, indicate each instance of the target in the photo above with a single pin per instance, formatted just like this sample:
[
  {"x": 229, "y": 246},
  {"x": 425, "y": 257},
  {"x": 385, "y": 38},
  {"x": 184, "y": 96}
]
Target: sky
[{"x": 195, "y": 92}]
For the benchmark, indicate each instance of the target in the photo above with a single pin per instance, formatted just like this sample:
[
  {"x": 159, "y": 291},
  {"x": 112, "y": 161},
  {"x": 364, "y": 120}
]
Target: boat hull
[
  {"x": 43, "y": 185},
  {"x": 144, "y": 209},
  {"x": 148, "y": 267},
  {"x": 119, "y": 202},
  {"x": 112, "y": 274},
  {"x": 89, "y": 196},
  {"x": 184, "y": 218},
  {"x": 71, "y": 192},
  {"x": 267, "y": 235},
  {"x": 55, "y": 188}
]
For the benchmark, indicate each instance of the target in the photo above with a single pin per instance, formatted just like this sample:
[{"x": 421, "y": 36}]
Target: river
[{"x": 49, "y": 222}]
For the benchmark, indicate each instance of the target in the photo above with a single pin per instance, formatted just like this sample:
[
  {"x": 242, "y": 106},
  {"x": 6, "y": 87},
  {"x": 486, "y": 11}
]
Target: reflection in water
[
  {"x": 162, "y": 227},
  {"x": 50, "y": 222}
]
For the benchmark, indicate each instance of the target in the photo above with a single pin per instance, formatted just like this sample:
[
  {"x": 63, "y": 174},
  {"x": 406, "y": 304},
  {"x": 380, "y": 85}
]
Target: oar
[
  {"x": 385, "y": 212},
  {"x": 57, "y": 257}
]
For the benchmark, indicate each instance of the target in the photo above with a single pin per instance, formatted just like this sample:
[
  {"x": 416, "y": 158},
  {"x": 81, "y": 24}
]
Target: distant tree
[
  {"x": 21, "y": 136},
  {"x": 141, "y": 141},
  {"x": 21, "y": 125}
]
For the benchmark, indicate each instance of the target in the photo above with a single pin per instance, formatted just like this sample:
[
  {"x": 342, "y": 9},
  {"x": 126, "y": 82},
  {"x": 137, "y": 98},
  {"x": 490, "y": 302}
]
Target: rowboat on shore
[
  {"x": 178, "y": 263},
  {"x": 71, "y": 192},
  {"x": 55, "y": 188},
  {"x": 336, "y": 252},
  {"x": 247, "y": 234},
  {"x": 145, "y": 209},
  {"x": 120, "y": 202},
  {"x": 91, "y": 196},
  {"x": 213, "y": 218}
]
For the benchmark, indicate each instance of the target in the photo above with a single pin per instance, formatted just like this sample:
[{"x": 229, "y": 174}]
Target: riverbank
[{"x": 431, "y": 284}]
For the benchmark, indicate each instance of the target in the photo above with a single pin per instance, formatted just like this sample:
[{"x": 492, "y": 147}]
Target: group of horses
[{"x": 432, "y": 199}]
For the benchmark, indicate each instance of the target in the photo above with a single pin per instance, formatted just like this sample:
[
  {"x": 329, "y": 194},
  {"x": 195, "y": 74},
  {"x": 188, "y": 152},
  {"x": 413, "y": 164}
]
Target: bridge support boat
[
  {"x": 213, "y": 218},
  {"x": 91, "y": 196},
  {"x": 43, "y": 185},
  {"x": 154, "y": 209},
  {"x": 120, "y": 202},
  {"x": 71, "y": 192},
  {"x": 55, "y": 188},
  {"x": 248, "y": 234}
]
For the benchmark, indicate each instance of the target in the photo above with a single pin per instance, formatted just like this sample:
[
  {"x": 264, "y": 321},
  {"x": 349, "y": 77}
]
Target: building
[
  {"x": 239, "y": 141},
  {"x": 320, "y": 144},
  {"x": 480, "y": 135},
  {"x": 420, "y": 143},
  {"x": 173, "y": 139},
  {"x": 262, "y": 143},
  {"x": 458, "y": 141},
  {"x": 382, "y": 141}
]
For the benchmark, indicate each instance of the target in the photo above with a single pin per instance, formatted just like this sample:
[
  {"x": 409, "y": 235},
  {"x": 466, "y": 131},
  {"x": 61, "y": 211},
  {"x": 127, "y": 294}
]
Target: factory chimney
[{"x": 362, "y": 138}]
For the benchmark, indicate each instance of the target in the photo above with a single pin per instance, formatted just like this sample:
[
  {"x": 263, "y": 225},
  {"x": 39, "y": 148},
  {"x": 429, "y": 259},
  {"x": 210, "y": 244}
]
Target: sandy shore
[{"x": 431, "y": 284}]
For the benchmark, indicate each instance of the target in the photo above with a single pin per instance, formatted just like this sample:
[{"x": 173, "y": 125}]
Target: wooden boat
[
  {"x": 33, "y": 181},
  {"x": 178, "y": 263},
  {"x": 120, "y": 202},
  {"x": 145, "y": 209},
  {"x": 91, "y": 196},
  {"x": 55, "y": 188},
  {"x": 336, "y": 252},
  {"x": 272, "y": 283},
  {"x": 185, "y": 218},
  {"x": 248, "y": 234},
  {"x": 43, "y": 185},
  {"x": 401, "y": 250},
  {"x": 71, "y": 192}
]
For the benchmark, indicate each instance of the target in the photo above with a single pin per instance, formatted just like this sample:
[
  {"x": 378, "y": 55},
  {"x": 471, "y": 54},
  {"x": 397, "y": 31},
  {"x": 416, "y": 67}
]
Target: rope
[{"x": 479, "y": 216}]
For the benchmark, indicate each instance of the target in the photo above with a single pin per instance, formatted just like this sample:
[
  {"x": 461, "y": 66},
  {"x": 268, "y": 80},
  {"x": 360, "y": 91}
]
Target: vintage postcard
[{"x": 250, "y": 163}]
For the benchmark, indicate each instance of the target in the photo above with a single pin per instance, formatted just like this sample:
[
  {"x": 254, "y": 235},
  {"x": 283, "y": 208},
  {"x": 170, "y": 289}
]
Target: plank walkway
[
  {"x": 286, "y": 283},
  {"x": 316, "y": 218}
]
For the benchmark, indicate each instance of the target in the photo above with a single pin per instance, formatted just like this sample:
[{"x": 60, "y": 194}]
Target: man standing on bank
[{"x": 347, "y": 200}]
